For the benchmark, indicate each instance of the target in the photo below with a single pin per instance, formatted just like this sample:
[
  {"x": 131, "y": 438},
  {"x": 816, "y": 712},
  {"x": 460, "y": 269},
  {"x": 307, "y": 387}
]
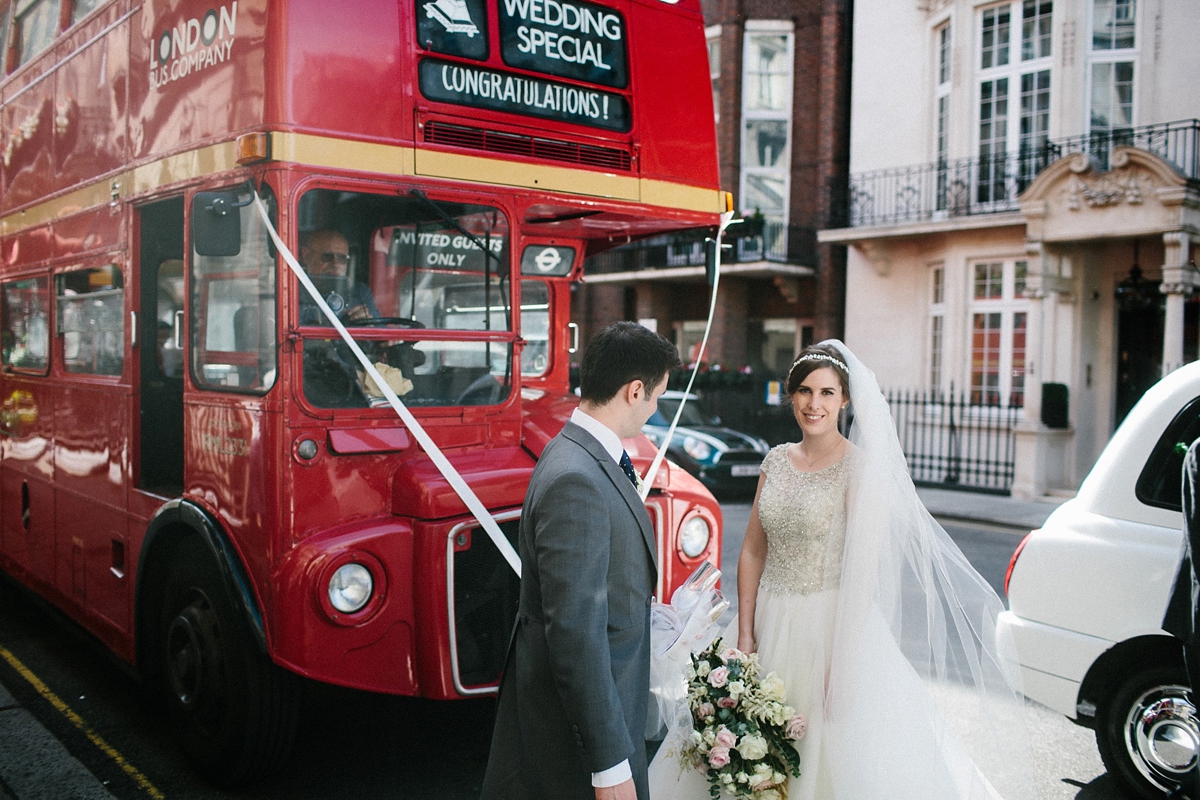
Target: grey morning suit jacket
[{"x": 574, "y": 692}]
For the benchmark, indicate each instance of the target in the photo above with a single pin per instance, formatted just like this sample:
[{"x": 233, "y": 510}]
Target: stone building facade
[{"x": 1024, "y": 211}]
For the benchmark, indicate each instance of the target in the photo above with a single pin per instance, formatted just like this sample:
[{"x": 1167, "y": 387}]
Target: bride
[{"x": 882, "y": 632}]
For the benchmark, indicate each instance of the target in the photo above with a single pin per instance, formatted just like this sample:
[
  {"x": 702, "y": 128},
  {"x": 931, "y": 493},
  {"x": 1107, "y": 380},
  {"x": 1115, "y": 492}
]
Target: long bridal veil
[{"x": 923, "y": 700}]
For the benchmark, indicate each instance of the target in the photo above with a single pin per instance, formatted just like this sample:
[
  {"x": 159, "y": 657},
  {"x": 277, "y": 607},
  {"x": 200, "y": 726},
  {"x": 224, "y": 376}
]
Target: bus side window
[
  {"x": 36, "y": 26},
  {"x": 233, "y": 311},
  {"x": 25, "y": 337},
  {"x": 91, "y": 320},
  {"x": 5, "y": 16}
]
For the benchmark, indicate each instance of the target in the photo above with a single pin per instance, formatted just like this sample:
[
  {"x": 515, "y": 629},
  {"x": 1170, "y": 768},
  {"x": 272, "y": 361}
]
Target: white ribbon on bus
[
  {"x": 472, "y": 501},
  {"x": 648, "y": 481},
  {"x": 476, "y": 507}
]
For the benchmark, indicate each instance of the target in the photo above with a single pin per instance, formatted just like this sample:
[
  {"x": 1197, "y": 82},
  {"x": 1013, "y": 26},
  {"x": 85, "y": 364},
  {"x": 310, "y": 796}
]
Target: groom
[{"x": 572, "y": 709}]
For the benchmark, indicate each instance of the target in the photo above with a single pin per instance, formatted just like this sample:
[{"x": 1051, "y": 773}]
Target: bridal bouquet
[{"x": 742, "y": 727}]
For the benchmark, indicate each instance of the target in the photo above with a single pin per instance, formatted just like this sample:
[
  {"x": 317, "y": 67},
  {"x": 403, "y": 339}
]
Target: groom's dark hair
[{"x": 621, "y": 353}]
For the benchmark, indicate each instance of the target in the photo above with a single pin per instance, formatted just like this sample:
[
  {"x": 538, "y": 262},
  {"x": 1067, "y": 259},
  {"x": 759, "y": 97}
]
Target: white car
[{"x": 1087, "y": 592}]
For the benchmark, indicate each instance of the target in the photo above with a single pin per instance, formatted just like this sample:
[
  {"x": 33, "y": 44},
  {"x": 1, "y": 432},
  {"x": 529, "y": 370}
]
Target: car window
[
  {"x": 1161, "y": 479},
  {"x": 693, "y": 415}
]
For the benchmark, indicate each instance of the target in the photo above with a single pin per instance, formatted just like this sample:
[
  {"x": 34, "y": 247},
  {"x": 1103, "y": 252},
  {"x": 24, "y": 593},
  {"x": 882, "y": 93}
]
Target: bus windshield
[{"x": 389, "y": 263}]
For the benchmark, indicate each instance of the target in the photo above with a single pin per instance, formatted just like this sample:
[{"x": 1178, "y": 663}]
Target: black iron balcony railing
[
  {"x": 993, "y": 184},
  {"x": 764, "y": 241}
]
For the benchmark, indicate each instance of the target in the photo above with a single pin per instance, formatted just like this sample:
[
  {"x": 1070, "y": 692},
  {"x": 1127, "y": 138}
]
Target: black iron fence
[
  {"x": 990, "y": 185},
  {"x": 952, "y": 443},
  {"x": 948, "y": 441}
]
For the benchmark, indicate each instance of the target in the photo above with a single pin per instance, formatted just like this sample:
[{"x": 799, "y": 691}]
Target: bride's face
[{"x": 817, "y": 402}]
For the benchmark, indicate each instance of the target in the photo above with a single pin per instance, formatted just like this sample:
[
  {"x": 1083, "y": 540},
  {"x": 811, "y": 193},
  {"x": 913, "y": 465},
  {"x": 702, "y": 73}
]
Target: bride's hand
[{"x": 746, "y": 642}]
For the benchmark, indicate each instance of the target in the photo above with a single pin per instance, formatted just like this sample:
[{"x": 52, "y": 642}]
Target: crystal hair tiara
[{"x": 821, "y": 357}]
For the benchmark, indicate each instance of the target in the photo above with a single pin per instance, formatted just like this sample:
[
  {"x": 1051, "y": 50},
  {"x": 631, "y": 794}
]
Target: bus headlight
[
  {"x": 693, "y": 539},
  {"x": 350, "y": 587}
]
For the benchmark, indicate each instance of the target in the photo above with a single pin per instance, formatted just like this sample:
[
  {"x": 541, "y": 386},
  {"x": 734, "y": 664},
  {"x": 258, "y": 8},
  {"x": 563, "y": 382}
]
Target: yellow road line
[{"x": 76, "y": 720}]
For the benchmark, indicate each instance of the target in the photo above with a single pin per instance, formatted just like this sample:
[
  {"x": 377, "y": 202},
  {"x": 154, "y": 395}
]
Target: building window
[
  {"x": 37, "y": 25},
  {"x": 1110, "y": 103},
  {"x": 943, "y": 35},
  {"x": 942, "y": 119},
  {"x": 1112, "y": 96},
  {"x": 1035, "y": 125},
  {"x": 993, "y": 139},
  {"x": 1005, "y": 83},
  {"x": 1114, "y": 24},
  {"x": 713, "y": 35},
  {"x": 996, "y": 23},
  {"x": 1035, "y": 29},
  {"x": 937, "y": 318},
  {"x": 766, "y": 127},
  {"x": 999, "y": 323}
]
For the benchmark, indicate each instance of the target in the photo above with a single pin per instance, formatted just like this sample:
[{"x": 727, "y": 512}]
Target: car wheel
[
  {"x": 233, "y": 711},
  {"x": 1147, "y": 732}
]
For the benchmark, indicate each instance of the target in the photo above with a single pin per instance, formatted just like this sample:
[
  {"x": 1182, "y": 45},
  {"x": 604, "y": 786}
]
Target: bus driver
[{"x": 325, "y": 255}]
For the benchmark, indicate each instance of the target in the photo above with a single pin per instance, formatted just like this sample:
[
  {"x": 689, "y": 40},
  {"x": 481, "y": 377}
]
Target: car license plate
[{"x": 745, "y": 470}]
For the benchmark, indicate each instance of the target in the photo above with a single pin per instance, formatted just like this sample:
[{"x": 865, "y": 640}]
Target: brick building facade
[{"x": 781, "y": 100}]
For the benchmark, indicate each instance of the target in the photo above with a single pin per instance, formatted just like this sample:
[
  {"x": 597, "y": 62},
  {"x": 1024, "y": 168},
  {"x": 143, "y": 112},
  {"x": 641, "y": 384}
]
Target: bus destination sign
[
  {"x": 567, "y": 38},
  {"x": 519, "y": 94}
]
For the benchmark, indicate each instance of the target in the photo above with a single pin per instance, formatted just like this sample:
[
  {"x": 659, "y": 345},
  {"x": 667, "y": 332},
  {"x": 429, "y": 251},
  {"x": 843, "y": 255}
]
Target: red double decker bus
[{"x": 193, "y": 465}]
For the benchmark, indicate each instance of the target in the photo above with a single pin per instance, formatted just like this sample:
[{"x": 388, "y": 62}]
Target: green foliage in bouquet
[{"x": 742, "y": 727}]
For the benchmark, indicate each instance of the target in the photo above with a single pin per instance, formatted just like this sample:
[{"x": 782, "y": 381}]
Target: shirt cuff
[{"x": 612, "y": 776}]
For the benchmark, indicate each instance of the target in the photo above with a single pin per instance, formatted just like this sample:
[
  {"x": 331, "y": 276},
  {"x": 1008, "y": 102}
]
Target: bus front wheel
[{"x": 233, "y": 710}]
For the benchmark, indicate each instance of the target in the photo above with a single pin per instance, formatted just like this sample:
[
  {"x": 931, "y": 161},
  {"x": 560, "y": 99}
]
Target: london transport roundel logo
[{"x": 548, "y": 259}]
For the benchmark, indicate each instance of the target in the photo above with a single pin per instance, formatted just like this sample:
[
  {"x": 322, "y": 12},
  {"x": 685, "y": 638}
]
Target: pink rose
[
  {"x": 797, "y": 727},
  {"x": 719, "y": 757},
  {"x": 705, "y": 710},
  {"x": 718, "y": 677},
  {"x": 731, "y": 654},
  {"x": 725, "y": 737},
  {"x": 726, "y": 702}
]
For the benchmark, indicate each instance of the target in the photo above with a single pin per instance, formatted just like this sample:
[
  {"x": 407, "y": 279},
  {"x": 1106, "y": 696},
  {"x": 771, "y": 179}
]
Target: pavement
[
  {"x": 35, "y": 766},
  {"x": 994, "y": 509}
]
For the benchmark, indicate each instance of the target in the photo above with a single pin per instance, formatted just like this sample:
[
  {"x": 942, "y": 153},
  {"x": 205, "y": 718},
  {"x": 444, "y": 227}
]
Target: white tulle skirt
[{"x": 794, "y": 634}]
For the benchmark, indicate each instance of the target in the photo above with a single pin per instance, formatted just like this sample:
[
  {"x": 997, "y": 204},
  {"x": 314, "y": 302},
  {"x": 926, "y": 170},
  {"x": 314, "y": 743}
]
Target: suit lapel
[{"x": 619, "y": 480}]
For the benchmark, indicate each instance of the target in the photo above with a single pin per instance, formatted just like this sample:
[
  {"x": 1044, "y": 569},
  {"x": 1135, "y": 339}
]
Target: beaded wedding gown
[
  {"x": 804, "y": 517},
  {"x": 883, "y": 634}
]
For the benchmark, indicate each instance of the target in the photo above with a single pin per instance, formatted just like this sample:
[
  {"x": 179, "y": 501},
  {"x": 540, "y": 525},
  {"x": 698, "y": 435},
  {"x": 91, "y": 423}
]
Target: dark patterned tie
[{"x": 627, "y": 465}]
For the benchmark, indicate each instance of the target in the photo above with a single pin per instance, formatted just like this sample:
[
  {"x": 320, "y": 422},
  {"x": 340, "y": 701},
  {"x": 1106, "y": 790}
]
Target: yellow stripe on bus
[
  {"x": 333, "y": 153},
  {"x": 76, "y": 720}
]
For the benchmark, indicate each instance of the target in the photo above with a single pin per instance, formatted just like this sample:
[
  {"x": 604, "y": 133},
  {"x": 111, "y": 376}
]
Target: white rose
[
  {"x": 752, "y": 746},
  {"x": 772, "y": 688},
  {"x": 703, "y": 668},
  {"x": 736, "y": 688}
]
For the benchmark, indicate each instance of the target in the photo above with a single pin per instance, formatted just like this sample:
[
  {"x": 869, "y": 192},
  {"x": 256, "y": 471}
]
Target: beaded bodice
[{"x": 804, "y": 517}]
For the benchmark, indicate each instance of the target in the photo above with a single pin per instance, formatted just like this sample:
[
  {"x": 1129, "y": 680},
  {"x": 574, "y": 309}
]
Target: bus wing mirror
[{"x": 216, "y": 224}]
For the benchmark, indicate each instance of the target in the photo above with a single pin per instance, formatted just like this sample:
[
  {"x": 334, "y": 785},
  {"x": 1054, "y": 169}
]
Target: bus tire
[
  {"x": 233, "y": 710},
  {"x": 1144, "y": 727}
]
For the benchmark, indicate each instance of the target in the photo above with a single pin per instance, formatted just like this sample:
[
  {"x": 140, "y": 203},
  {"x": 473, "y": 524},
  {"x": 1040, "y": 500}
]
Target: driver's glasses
[{"x": 339, "y": 258}]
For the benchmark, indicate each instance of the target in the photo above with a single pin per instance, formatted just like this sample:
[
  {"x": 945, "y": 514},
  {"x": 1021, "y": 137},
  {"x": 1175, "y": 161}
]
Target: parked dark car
[{"x": 725, "y": 460}]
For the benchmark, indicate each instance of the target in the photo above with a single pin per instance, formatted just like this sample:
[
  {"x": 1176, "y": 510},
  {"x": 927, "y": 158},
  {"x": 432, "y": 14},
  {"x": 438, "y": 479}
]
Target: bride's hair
[{"x": 813, "y": 358}]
